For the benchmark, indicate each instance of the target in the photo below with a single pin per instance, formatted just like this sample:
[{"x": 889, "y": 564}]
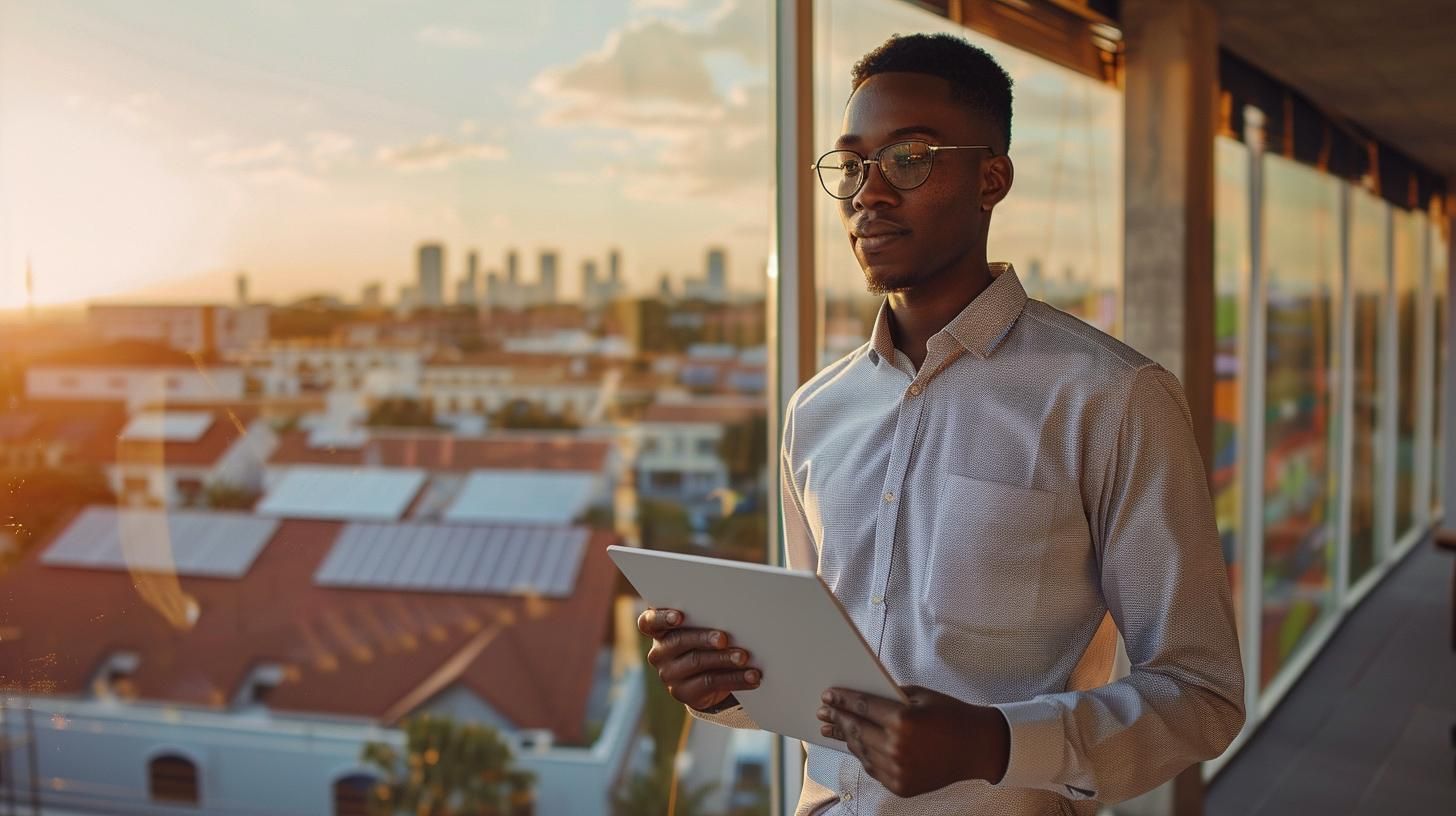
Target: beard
[{"x": 879, "y": 281}]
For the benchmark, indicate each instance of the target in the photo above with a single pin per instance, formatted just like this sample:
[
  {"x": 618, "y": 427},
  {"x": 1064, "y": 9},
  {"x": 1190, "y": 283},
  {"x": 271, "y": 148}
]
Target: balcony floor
[{"x": 1367, "y": 729}]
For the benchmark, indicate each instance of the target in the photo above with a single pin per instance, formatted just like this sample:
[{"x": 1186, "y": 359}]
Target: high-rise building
[
  {"x": 431, "y": 280},
  {"x": 242, "y": 288},
  {"x": 467, "y": 291},
  {"x": 718, "y": 272},
  {"x": 512, "y": 270},
  {"x": 373, "y": 296},
  {"x": 546, "y": 286},
  {"x": 614, "y": 265}
]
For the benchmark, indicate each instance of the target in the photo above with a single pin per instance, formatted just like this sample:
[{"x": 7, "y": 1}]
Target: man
[{"x": 979, "y": 484}]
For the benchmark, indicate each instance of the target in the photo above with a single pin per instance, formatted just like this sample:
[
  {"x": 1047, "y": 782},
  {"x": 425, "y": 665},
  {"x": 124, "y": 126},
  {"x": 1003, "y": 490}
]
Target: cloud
[
  {"x": 326, "y": 147},
  {"x": 436, "y": 153},
  {"x": 440, "y": 36},
  {"x": 273, "y": 152},
  {"x": 650, "y": 62}
]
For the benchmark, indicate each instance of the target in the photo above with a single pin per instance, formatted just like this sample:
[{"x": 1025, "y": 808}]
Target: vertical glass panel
[
  {"x": 1060, "y": 226},
  {"x": 1409, "y": 261},
  {"x": 1302, "y": 278},
  {"x": 1368, "y": 279},
  {"x": 1440, "y": 288},
  {"x": 337, "y": 342},
  {"x": 1231, "y": 281}
]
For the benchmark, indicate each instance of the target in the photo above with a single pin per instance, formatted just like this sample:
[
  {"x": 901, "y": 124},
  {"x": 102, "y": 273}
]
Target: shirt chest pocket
[{"x": 988, "y": 543}]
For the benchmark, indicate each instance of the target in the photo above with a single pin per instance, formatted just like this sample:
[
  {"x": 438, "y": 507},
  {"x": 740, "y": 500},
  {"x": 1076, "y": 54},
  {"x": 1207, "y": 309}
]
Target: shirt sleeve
[
  {"x": 1163, "y": 579},
  {"x": 801, "y": 553}
]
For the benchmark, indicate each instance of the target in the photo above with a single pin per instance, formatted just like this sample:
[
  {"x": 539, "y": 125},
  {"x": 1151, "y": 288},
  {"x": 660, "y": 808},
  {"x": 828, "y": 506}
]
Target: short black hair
[{"x": 976, "y": 79}]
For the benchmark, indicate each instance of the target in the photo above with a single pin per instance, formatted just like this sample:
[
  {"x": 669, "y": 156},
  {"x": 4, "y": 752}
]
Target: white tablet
[{"x": 793, "y": 627}]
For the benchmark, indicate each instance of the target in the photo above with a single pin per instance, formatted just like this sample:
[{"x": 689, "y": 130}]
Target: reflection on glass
[
  {"x": 1368, "y": 280},
  {"x": 1301, "y": 263},
  {"x": 1231, "y": 275},
  {"x": 1409, "y": 259},
  {"x": 335, "y": 347},
  {"x": 1060, "y": 224}
]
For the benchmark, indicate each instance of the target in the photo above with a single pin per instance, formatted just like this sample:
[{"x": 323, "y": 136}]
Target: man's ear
[{"x": 997, "y": 173}]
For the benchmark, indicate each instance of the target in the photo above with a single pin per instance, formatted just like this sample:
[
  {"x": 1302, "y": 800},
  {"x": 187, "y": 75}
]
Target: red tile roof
[
  {"x": 713, "y": 412},
  {"x": 346, "y": 652},
  {"x": 443, "y": 451},
  {"x": 125, "y": 353}
]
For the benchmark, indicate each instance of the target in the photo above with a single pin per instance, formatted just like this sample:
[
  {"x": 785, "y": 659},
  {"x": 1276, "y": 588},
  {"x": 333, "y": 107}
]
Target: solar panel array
[
  {"x": 193, "y": 544},
  {"x": 169, "y": 426},
  {"x": 343, "y": 494},
  {"x": 530, "y": 497},
  {"x": 492, "y": 560}
]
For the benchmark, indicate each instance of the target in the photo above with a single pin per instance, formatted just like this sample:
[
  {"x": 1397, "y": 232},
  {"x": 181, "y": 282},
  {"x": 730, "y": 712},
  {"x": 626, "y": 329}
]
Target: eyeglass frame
[{"x": 875, "y": 160}]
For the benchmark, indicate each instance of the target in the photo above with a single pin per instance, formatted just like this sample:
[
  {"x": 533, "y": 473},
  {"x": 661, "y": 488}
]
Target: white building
[
  {"x": 187, "y": 328},
  {"x": 169, "y": 458}
]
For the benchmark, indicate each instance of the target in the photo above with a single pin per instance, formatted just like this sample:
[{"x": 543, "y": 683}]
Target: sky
[
  {"x": 151, "y": 150},
  {"x": 154, "y": 149}
]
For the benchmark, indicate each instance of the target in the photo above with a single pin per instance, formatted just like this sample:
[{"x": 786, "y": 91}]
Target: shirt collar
[{"x": 979, "y": 328}]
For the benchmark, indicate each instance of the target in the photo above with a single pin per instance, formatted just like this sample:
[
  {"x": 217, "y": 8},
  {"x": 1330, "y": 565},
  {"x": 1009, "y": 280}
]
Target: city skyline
[{"x": 171, "y": 148}]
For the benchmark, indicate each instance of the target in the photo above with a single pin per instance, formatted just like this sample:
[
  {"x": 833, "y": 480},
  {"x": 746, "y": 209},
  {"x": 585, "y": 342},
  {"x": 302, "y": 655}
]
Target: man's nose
[{"x": 876, "y": 191}]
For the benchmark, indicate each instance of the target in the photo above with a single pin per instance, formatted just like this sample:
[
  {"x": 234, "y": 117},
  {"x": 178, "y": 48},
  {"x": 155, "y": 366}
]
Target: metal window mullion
[
  {"x": 791, "y": 294},
  {"x": 1346, "y": 400},
  {"x": 1389, "y": 383},
  {"x": 1424, "y": 383},
  {"x": 1252, "y": 457}
]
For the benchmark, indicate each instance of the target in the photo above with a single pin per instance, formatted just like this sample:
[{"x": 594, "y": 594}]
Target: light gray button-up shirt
[{"x": 979, "y": 516}]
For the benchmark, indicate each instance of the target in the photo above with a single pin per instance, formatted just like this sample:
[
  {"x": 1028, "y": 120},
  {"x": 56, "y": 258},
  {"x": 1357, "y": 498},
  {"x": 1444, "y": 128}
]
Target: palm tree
[
  {"x": 448, "y": 769},
  {"x": 647, "y": 794}
]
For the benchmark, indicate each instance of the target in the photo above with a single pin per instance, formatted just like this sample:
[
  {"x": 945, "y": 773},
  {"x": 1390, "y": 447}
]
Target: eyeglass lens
[{"x": 905, "y": 165}]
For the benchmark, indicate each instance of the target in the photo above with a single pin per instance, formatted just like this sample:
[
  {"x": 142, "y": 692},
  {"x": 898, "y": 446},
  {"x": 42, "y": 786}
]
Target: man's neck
[{"x": 917, "y": 314}]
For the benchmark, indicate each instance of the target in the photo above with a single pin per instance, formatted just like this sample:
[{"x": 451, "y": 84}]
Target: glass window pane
[
  {"x": 1231, "y": 281},
  {"x": 1059, "y": 226},
  {"x": 1409, "y": 262},
  {"x": 1368, "y": 280},
  {"x": 337, "y": 342},
  {"x": 1302, "y": 278}
]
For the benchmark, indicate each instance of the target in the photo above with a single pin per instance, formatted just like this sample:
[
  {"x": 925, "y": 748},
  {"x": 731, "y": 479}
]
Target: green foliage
[
  {"x": 448, "y": 769},
  {"x": 224, "y": 496},
  {"x": 401, "y": 412},
  {"x": 524, "y": 415},
  {"x": 744, "y": 449},
  {"x": 741, "y": 536},
  {"x": 664, "y": 525},
  {"x": 647, "y": 794}
]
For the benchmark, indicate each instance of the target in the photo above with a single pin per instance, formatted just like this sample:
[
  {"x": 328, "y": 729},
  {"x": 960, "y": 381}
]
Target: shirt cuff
[
  {"x": 1038, "y": 741},
  {"x": 734, "y": 717}
]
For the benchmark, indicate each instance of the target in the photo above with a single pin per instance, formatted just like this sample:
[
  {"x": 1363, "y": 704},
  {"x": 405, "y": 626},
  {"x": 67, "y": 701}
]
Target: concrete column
[
  {"x": 1447, "y": 528},
  {"x": 1170, "y": 116}
]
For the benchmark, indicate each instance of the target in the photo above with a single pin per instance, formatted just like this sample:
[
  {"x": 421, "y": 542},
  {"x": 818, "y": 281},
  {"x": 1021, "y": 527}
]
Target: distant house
[
  {"x": 132, "y": 373},
  {"x": 169, "y": 458},
  {"x": 678, "y": 453},
  {"x": 215, "y": 659}
]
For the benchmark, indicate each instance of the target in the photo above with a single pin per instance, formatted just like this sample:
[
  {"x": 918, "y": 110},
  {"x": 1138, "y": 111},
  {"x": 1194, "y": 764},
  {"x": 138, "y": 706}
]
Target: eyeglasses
[{"x": 905, "y": 166}]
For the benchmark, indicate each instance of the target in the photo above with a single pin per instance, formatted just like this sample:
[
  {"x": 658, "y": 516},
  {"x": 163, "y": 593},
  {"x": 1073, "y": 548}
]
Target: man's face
[{"x": 903, "y": 238}]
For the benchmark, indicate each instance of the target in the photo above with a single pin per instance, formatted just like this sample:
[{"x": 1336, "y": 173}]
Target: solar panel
[
  {"x": 189, "y": 543},
  {"x": 530, "y": 497},
  {"x": 168, "y": 426},
  {"x": 490, "y": 559},
  {"x": 343, "y": 494}
]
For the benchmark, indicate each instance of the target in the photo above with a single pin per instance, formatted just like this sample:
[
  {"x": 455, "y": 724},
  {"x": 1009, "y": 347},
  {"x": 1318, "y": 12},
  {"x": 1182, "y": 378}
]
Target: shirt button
[
  {"x": 889, "y": 498},
  {"x": 915, "y": 390},
  {"x": 847, "y": 796},
  {"x": 877, "y": 600}
]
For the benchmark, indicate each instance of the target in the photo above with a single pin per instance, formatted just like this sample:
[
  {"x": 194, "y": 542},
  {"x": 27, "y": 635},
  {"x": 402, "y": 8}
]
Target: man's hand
[
  {"x": 932, "y": 742},
  {"x": 696, "y": 665}
]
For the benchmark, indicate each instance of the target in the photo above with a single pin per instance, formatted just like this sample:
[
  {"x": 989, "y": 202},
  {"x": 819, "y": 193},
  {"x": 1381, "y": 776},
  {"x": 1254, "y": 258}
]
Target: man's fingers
[
  {"x": 854, "y": 729},
  {"x": 697, "y": 661},
  {"x": 879, "y": 710},
  {"x": 710, "y": 684},
  {"x": 655, "y": 622}
]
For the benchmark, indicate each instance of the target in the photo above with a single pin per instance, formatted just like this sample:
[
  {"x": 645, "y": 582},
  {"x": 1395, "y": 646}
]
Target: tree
[
  {"x": 744, "y": 448},
  {"x": 227, "y": 496},
  {"x": 647, "y": 794},
  {"x": 525, "y": 415},
  {"x": 448, "y": 769},
  {"x": 665, "y": 526},
  {"x": 402, "y": 412}
]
